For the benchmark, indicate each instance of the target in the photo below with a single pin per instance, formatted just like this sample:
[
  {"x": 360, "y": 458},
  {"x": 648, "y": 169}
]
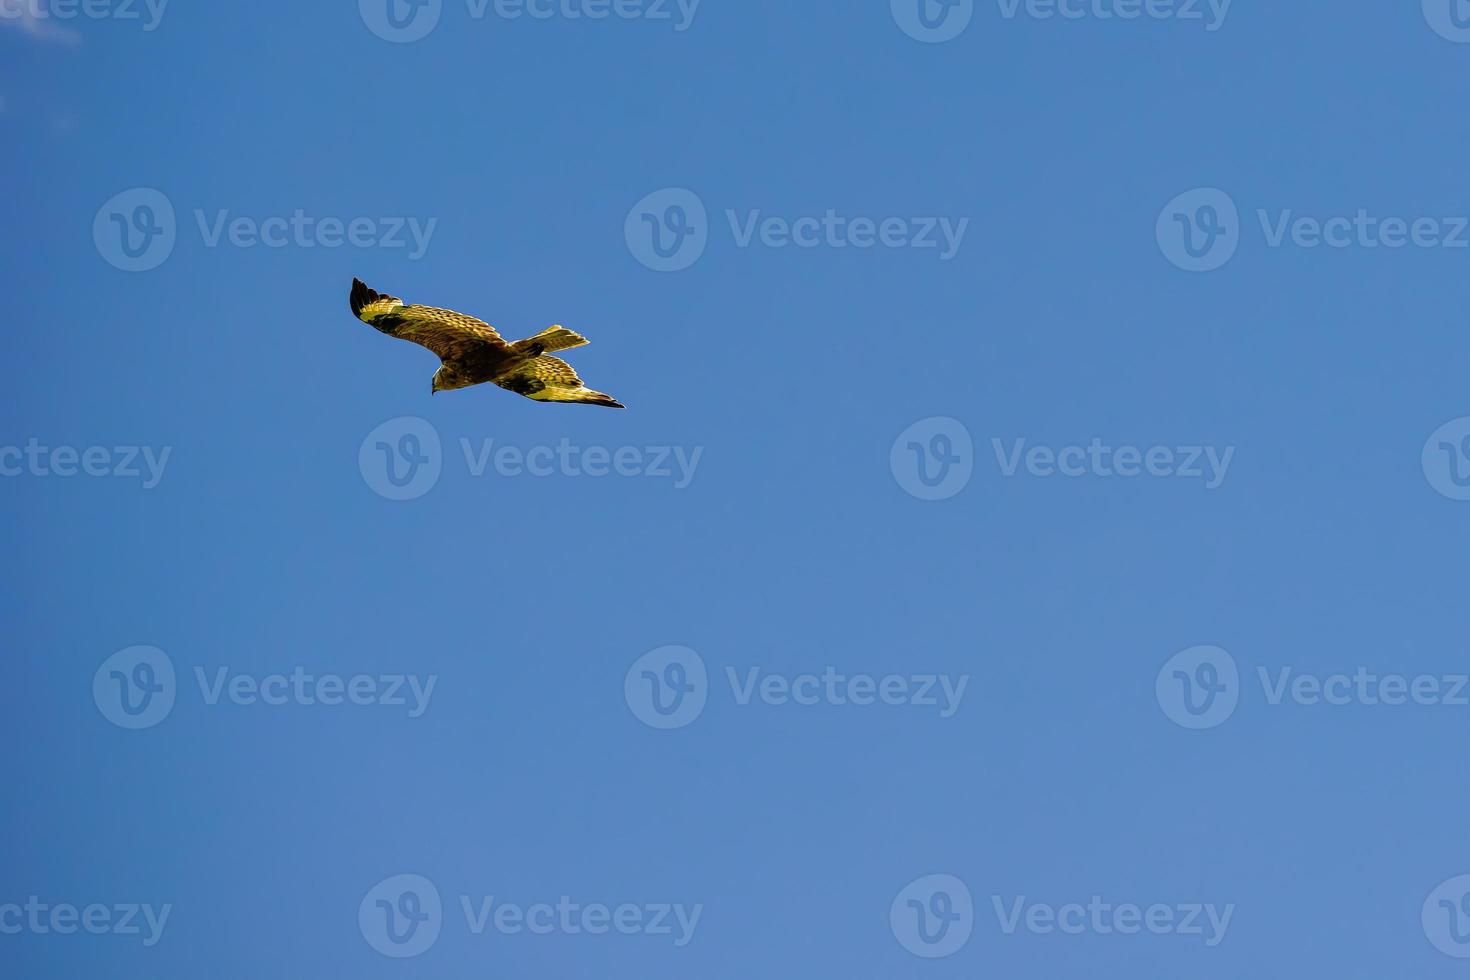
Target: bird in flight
[{"x": 473, "y": 352}]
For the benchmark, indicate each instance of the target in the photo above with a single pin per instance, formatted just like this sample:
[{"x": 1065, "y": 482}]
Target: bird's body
[{"x": 472, "y": 352}]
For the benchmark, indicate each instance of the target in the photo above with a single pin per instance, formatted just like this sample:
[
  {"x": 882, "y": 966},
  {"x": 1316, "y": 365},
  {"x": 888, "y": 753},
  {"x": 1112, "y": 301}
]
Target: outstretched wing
[
  {"x": 445, "y": 332},
  {"x": 550, "y": 379}
]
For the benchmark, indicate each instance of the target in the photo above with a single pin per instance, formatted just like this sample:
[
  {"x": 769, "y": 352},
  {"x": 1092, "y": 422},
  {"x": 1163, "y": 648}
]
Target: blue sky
[{"x": 1032, "y": 547}]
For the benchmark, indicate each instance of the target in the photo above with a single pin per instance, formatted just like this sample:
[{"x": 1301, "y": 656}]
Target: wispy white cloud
[{"x": 33, "y": 18}]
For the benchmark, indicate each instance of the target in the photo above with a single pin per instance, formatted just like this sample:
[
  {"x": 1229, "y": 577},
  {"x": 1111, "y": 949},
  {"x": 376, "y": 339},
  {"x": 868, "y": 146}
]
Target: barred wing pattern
[
  {"x": 550, "y": 379},
  {"x": 447, "y": 333}
]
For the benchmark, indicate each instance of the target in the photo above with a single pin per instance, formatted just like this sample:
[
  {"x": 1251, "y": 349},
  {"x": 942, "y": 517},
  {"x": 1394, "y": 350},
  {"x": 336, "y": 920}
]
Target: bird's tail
[
  {"x": 551, "y": 340},
  {"x": 589, "y": 397}
]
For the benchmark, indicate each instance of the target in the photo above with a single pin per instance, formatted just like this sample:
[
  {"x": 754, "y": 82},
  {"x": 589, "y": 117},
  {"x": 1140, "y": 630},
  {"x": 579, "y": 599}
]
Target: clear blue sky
[{"x": 799, "y": 544}]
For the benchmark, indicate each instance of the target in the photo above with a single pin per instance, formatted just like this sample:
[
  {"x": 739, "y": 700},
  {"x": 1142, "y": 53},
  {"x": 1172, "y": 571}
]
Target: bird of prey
[{"x": 472, "y": 351}]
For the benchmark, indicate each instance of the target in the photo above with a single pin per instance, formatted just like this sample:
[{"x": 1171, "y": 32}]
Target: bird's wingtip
[{"x": 360, "y": 296}]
